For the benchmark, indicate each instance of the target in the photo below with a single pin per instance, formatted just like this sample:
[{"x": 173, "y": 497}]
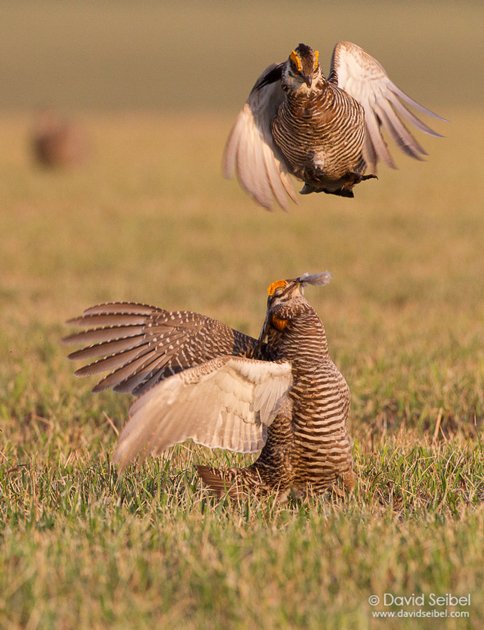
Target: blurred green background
[{"x": 206, "y": 55}]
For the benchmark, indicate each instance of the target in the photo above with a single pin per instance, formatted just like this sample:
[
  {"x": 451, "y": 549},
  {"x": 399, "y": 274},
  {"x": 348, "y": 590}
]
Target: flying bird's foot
[
  {"x": 307, "y": 189},
  {"x": 341, "y": 192},
  {"x": 355, "y": 178},
  {"x": 352, "y": 179}
]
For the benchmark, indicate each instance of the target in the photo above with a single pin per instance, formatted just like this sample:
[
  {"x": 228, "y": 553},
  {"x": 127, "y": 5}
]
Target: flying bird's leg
[
  {"x": 307, "y": 189},
  {"x": 345, "y": 188}
]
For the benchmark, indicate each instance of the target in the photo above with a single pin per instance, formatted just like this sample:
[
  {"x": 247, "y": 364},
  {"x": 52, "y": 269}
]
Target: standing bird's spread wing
[
  {"x": 142, "y": 345},
  {"x": 250, "y": 153},
  {"x": 363, "y": 77},
  {"x": 226, "y": 403}
]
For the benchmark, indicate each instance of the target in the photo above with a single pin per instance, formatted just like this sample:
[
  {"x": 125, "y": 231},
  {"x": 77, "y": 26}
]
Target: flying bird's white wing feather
[
  {"x": 364, "y": 78},
  {"x": 250, "y": 153},
  {"x": 227, "y": 403}
]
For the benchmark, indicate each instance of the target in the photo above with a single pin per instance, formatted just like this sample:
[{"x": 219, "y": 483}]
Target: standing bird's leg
[
  {"x": 276, "y": 460},
  {"x": 273, "y": 471}
]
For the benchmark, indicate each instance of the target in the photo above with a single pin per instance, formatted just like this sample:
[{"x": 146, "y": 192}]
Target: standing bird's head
[
  {"x": 284, "y": 291},
  {"x": 285, "y": 296},
  {"x": 302, "y": 68}
]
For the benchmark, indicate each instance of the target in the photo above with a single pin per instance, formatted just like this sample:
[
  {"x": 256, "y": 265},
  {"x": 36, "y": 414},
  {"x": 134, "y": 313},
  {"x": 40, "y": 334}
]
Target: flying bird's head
[{"x": 302, "y": 68}]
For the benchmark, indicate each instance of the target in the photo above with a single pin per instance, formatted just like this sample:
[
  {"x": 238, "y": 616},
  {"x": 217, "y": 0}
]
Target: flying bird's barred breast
[{"x": 320, "y": 133}]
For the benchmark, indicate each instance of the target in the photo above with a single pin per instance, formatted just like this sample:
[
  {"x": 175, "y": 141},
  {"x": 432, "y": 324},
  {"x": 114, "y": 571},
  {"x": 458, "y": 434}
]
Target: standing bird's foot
[
  {"x": 349, "y": 480},
  {"x": 344, "y": 485}
]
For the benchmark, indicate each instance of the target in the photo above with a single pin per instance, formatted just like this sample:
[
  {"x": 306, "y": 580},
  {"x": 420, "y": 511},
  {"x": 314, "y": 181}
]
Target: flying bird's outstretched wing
[
  {"x": 250, "y": 153},
  {"x": 226, "y": 403},
  {"x": 364, "y": 78}
]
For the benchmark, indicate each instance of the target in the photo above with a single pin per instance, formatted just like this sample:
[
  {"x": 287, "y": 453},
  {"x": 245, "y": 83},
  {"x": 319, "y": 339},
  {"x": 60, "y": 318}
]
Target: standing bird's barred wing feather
[
  {"x": 363, "y": 77},
  {"x": 141, "y": 345},
  {"x": 250, "y": 153},
  {"x": 226, "y": 403}
]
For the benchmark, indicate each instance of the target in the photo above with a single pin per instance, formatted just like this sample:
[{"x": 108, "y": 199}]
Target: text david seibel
[{"x": 432, "y": 599}]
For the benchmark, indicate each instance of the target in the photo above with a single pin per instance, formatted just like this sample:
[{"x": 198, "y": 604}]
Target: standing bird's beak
[{"x": 263, "y": 334}]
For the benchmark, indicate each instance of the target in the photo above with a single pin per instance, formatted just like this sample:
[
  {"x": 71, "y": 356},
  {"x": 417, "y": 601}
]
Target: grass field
[{"x": 149, "y": 218}]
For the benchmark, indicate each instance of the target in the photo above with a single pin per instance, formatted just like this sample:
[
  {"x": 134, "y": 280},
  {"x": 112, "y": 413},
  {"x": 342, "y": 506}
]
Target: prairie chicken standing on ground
[
  {"x": 199, "y": 379},
  {"x": 326, "y": 132}
]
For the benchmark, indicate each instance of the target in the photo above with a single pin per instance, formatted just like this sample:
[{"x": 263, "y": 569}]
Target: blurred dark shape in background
[{"x": 57, "y": 142}]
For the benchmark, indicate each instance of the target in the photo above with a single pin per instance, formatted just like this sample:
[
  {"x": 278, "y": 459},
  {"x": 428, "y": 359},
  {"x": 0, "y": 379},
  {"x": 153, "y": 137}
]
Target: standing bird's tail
[
  {"x": 219, "y": 481},
  {"x": 238, "y": 483}
]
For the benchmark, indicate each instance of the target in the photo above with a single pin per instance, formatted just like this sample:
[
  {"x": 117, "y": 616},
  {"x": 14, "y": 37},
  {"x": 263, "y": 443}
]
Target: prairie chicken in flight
[
  {"x": 199, "y": 379},
  {"x": 325, "y": 131}
]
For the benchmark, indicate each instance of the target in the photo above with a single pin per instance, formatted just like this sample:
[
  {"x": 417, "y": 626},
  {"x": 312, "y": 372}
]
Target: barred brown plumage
[
  {"x": 199, "y": 379},
  {"x": 325, "y": 131}
]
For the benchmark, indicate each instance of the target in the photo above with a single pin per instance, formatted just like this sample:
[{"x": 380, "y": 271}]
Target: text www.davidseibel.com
[{"x": 420, "y": 606}]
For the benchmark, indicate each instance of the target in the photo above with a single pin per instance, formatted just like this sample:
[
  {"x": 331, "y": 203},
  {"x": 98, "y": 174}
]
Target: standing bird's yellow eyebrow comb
[{"x": 272, "y": 288}]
